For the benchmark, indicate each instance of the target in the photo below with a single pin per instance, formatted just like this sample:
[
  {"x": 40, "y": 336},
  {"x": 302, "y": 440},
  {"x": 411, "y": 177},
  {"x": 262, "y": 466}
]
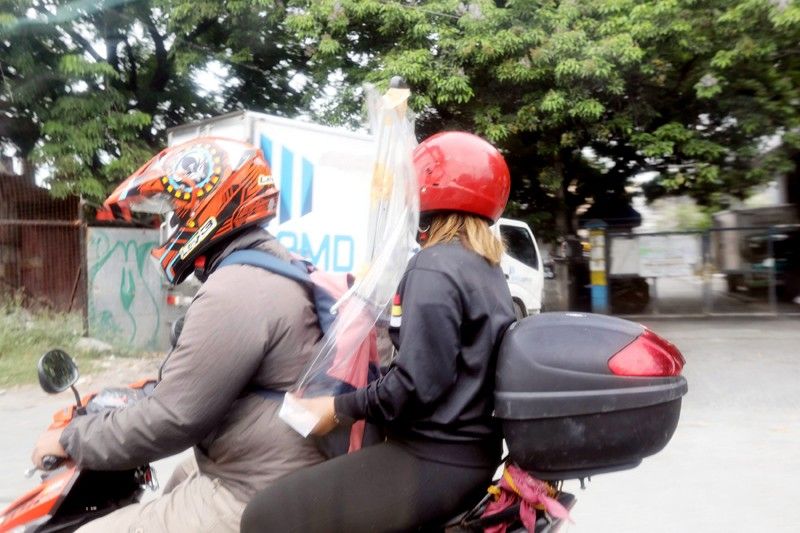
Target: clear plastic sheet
[{"x": 344, "y": 357}]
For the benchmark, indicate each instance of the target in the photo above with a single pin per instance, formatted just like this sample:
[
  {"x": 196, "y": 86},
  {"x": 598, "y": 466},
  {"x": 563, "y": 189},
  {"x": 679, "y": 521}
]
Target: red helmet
[
  {"x": 208, "y": 189},
  {"x": 458, "y": 171}
]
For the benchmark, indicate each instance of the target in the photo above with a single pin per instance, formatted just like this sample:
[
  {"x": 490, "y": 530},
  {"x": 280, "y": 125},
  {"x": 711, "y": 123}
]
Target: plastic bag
[{"x": 346, "y": 355}]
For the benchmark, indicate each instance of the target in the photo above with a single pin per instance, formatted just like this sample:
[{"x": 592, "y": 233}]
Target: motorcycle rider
[
  {"x": 246, "y": 329},
  {"x": 436, "y": 400}
]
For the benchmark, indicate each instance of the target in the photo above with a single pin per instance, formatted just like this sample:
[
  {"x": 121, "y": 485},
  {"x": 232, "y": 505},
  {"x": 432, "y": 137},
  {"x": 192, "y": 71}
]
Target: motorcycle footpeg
[{"x": 146, "y": 477}]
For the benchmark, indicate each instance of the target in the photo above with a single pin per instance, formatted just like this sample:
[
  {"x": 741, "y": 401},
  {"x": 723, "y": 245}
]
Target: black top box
[{"x": 582, "y": 394}]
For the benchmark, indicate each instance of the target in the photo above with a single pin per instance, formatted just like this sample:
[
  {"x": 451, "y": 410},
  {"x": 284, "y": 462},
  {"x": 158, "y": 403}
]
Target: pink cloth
[
  {"x": 356, "y": 347},
  {"x": 516, "y": 485}
]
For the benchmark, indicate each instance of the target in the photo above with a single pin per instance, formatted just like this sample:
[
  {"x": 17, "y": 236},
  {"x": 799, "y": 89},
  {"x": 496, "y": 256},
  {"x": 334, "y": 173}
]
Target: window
[{"x": 519, "y": 245}]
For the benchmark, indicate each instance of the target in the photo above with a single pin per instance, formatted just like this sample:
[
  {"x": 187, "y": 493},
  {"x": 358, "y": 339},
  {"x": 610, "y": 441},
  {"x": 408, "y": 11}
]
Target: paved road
[
  {"x": 732, "y": 466},
  {"x": 26, "y": 411},
  {"x": 684, "y": 295},
  {"x": 734, "y": 461}
]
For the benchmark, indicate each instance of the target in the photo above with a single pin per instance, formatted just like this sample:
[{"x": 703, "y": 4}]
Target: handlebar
[{"x": 51, "y": 462}]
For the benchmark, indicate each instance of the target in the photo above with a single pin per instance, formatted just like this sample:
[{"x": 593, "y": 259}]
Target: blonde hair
[{"x": 472, "y": 231}]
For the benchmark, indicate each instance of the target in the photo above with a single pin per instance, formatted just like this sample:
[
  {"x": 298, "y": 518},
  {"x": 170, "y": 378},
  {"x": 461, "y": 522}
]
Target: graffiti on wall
[{"x": 125, "y": 291}]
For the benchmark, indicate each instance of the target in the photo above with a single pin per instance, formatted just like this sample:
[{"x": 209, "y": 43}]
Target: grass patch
[{"x": 27, "y": 334}]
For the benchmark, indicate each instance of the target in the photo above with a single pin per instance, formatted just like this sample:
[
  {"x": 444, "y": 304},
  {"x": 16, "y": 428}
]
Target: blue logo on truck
[{"x": 328, "y": 251}]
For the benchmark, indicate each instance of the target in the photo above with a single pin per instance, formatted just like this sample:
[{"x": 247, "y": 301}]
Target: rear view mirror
[
  {"x": 549, "y": 271},
  {"x": 57, "y": 371}
]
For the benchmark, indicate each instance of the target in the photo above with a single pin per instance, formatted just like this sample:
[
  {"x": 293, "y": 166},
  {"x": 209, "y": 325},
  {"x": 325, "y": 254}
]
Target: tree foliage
[
  {"x": 87, "y": 89},
  {"x": 582, "y": 95}
]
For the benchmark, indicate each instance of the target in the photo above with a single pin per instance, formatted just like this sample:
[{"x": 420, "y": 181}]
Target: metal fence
[
  {"x": 722, "y": 271},
  {"x": 41, "y": 247}
]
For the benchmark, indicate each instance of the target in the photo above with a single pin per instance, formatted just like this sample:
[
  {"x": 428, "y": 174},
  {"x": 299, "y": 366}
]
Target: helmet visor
[
  {"x": 159, "y": 204},
  {"x": 169, "y": 228},
  {"x": 178, "y": 177}
]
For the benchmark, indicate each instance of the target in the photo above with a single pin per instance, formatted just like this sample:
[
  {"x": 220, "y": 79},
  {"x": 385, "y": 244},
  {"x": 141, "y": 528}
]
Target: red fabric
[
  {"x": 352, "y": 358},
  {"x": 516, "y": 485},
  {"x": 353, "y": 355},
  {"x": 356, "y": 436}
]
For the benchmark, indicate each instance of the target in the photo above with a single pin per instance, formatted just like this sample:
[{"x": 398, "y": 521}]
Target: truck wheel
[
  {"x": 629, "y": 296},
  {"x": 734, "y": 282},
  {"x": 519, "y": 310},
  {"x": 790, "y": 288}
]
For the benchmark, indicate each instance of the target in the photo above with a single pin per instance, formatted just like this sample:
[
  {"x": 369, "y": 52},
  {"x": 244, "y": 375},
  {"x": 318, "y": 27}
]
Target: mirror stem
[{"x": 77, "y": 396}]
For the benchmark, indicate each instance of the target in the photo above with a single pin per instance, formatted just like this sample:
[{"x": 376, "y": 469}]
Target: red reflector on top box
[{"x": 647, "y": 356}]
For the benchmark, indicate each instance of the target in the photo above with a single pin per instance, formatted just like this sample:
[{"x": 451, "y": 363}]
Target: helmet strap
[
  {"x": 424, "y": 227},
  {"x": 422, "y": 233}
]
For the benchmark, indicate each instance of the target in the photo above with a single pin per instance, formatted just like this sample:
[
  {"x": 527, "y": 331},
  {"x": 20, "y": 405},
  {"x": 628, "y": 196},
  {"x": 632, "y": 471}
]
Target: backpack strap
[
  {"x": 268, "y": 394},
  {"x": 295, "y": 270},
  {"x": 342, "y": 440},
  {"x": 267, "y": 261},
  {"x": 258, "y": 258}
]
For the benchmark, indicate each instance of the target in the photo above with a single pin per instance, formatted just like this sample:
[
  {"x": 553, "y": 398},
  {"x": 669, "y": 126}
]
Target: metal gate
[
  {"x": 41, "y": 248},
  {"x": 723, "y": 271}
]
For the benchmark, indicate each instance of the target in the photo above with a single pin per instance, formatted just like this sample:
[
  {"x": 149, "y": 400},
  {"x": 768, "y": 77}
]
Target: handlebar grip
[{"x": 51, "y": 462}]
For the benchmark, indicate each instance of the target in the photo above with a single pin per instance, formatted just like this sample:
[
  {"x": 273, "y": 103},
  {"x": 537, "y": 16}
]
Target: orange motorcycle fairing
[{"x": 38, "y": 502}]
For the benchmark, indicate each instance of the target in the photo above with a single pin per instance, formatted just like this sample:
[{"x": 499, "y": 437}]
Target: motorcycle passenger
[
  {"x": 246, "y": 329},
  {"x": 436, "y": 400}
]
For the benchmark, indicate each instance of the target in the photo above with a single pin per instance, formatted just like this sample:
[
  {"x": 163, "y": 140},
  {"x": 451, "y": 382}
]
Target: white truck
[{"x": 324, "y": 177}]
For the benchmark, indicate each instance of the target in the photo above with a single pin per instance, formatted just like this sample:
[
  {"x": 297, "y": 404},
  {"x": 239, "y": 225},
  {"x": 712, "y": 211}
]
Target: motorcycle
[
  {"x": 598, "y": 394},
  {"x": 69, "y": 496}
]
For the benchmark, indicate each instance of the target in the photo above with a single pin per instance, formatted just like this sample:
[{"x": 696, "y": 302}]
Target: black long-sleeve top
[{"x": 437, "y": 396}]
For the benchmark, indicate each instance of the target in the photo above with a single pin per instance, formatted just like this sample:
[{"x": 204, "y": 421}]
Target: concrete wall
[{"x": 126, "y": 297}]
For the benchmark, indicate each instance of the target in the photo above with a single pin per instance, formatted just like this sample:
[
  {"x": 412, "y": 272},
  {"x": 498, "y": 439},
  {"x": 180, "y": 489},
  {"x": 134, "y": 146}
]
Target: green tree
[
  {"x": 79, "y": 82},
  {"x": 582, "y": 94},
  {"x": 27, "y": 58},
  {"x": 87, "y": 89}
]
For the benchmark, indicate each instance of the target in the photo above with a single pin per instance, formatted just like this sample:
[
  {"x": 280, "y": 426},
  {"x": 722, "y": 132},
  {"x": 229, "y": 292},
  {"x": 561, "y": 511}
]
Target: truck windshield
[{"x": 519, "y": 245}]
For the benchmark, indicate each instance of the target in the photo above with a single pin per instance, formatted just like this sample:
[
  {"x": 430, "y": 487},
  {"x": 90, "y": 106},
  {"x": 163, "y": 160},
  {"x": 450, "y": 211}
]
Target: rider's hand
[
  {"x": 323, "y": 408},
  {"x": 48, "y": 445}
]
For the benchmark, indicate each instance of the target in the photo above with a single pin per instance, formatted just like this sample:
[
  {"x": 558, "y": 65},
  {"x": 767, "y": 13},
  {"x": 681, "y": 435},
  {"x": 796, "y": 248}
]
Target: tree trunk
[
  {"x": 564, "y": 212},
  {"x": 28, "y": 170},
  {"x": 793, "y": 184}
]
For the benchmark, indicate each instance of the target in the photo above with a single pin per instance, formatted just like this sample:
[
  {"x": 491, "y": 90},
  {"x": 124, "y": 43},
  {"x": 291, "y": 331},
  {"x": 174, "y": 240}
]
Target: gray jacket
[{"x": 245, "y": 327}]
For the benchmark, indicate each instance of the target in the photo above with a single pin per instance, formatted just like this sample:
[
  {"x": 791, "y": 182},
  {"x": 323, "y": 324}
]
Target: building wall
[{"x": 126, "y": 297}]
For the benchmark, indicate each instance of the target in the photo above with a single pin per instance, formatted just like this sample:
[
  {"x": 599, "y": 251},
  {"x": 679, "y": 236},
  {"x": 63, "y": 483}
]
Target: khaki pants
[{"x": 192, "y": 503}]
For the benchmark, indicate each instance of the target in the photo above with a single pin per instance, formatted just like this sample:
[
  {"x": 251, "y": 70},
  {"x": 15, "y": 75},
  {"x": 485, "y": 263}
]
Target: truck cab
[{"x": 522, "y": 266}]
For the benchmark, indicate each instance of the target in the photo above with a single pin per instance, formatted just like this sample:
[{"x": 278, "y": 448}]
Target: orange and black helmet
[{"x": 208, "y": 189}]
